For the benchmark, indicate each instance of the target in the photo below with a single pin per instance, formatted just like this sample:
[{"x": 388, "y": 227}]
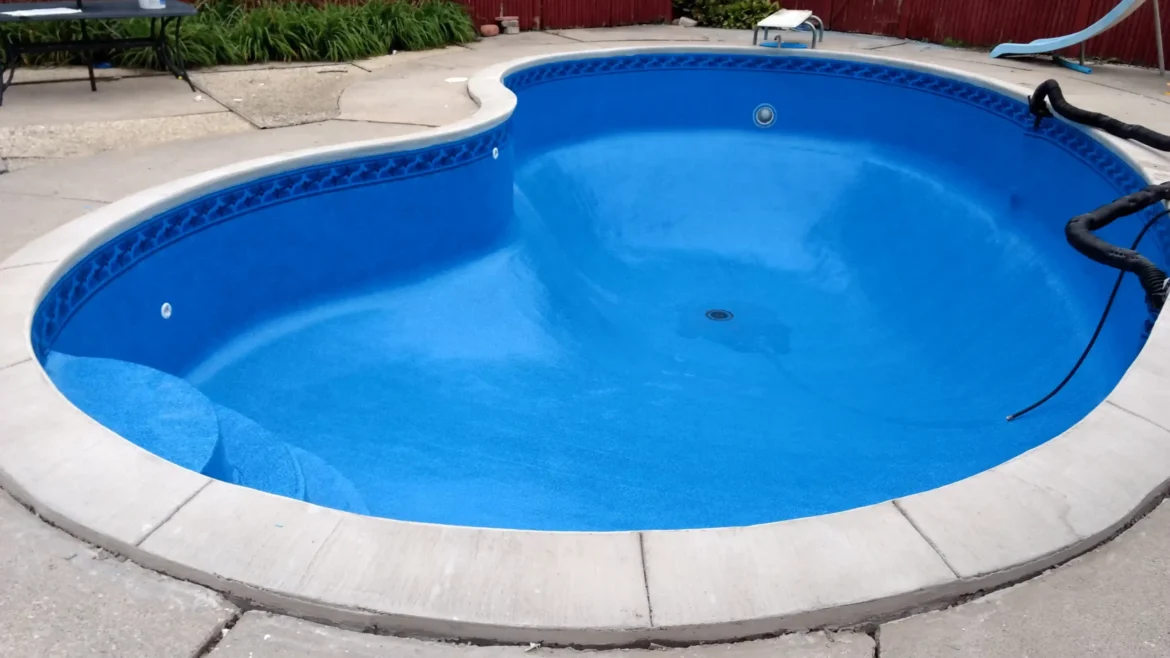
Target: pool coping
[{"x": 593, "y": 589}]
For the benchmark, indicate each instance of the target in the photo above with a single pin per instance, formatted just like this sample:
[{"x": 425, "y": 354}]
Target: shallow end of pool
[{"x": 591, "y": 589}]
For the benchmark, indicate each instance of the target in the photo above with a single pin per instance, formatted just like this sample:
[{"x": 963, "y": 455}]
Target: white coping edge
[{"x": 598, "y": 589}]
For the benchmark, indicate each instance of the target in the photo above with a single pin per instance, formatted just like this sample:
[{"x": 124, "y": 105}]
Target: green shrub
[
  {"x": 730, "y": 14},
  {"x": 228, "y": 32}
]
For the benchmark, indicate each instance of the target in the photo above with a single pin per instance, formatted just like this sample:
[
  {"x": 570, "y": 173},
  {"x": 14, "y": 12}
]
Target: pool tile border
[
  {"x": 1078, "y": 488},
  {"x": 598, "y": 589},
  {"x": 123, "y": 251},
  {"x": 864, "y": 561}
]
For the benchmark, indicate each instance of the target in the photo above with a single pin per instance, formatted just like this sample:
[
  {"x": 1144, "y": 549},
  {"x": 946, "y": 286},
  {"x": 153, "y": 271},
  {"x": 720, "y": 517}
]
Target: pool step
[
  {"x": 261, "y": 460},
  {"x": 257, "y": 458},
  {"x": 174, "y": 420},
  {"x": 157, "y": 411},
  {"x": 325, "y": 486}
]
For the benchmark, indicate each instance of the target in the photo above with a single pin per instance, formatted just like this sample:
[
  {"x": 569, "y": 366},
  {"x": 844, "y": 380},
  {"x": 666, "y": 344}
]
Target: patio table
[{"x": 84, "y": 11}]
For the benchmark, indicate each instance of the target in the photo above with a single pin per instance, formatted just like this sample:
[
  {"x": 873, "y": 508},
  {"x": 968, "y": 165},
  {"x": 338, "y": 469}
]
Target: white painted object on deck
[
  {"x": 791, "y": 19},
  {"x": 32, "y": 13}
]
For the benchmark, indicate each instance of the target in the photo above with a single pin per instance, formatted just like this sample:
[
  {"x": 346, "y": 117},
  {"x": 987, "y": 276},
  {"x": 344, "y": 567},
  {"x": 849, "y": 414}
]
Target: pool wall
[
  {"x": 389, "y": 228},
  {"x": 598, "y": 589}
]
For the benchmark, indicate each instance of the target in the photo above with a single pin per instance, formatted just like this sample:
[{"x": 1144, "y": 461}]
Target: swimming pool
[{"x": 672, "y": 290}]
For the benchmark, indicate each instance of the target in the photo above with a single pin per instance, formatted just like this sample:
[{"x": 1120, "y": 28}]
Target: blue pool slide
[{"x": 1054, "y": 44}]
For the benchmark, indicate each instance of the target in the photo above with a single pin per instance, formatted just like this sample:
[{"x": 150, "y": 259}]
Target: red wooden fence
[{"x": 989, "y": 22}]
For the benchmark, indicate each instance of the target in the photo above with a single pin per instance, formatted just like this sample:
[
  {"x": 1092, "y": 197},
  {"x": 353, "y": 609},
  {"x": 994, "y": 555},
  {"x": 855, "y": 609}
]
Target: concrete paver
[
  {"x": 115, "y": 100},
  {"x": 59, "y": 140},
  {"x": 421, "y": 96},
  {"x": 263, "y": 635},
  {"x": 60, "y": 597},
  {"x": 1114, "y": 601},
  {"x": 40, "y": 74},
  {"x": 400, "y": 57},
  {"x": 272, "y": 98},
  {"x": 26, "y": 217},
  {"x": 783, "y": 573},
  {"x": 601, "y": 35},
  {"x": 90, "y": 178},
  {"x": 506, "y": 41}
]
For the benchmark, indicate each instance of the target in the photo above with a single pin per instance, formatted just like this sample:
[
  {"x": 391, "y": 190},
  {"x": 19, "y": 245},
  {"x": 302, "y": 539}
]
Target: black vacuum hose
[
  {"x": 1049, "y": 91},
  {"x": 1079, "y": 232}
]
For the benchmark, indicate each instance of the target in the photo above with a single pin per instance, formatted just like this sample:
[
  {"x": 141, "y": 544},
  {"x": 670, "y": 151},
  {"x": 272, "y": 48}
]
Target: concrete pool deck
[{"x": 58, "y": 191}]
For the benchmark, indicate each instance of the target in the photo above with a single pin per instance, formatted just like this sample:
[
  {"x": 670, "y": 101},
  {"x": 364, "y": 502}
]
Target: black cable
[{"x": 1100, "y": 325}]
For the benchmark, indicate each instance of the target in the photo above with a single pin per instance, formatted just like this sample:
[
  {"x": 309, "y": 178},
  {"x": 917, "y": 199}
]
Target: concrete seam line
[
  {"x": 15, "y": 363},
  {"x": 928, "y": 540},
  {"x": 1136, "y": 415},
  {"x": 175, "y": 511},
  {"x": 645, "y": 577},
  {"x": 39, "y": 262},
  {"x": 218, "y": 634}
]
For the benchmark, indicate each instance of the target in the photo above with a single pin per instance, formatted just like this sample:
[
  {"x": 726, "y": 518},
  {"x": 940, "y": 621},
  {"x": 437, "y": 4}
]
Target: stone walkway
[{"x": 68, "y": 151}]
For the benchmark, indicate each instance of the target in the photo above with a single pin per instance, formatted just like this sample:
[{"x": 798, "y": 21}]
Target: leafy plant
[
  {"x": 730, "y": 14},
  {"x": 246, "y": 32}
]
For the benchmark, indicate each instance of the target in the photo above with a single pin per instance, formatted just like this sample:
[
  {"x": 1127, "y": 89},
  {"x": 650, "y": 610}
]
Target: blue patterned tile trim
[
  {"x": 1098, "y": 157},
  {"x": 113, "y": 258}
]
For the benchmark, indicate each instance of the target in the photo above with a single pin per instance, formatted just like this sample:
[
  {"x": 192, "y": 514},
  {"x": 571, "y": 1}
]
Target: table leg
[
  {"x": 158, "y": 31},
  {"x": 88, "y": 58},
  {"x": 173, "y": 57},
  {"x": 11, "y": 60}
]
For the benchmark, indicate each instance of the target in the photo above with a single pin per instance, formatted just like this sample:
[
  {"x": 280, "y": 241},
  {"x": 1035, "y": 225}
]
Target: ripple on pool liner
[
  {"x": 327, "y": 487},
  {"x": 157, "y": 411},
  {"x": 257, "y": 458}
]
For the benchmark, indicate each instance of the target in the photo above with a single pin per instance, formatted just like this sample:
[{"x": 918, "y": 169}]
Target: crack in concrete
[
  {"x": 218, "y": 634},
  {"x": 33, "y": 264},
  {"x": 53, "y": 196},
  {"x": 15, "y": 363},
  {"x": 383, "y": 123},
  {"x": 568, "y": 38},
  {"x": 645, "y": 577},
  {"x": 928, "y": 540},
  {"x": 308, "y": 572},
  {"x": 1136, "y": 415},
  {"x": 175, "y": 511},
  {"x": 886, "y": 45},
  {"x": 1064, "y": 507}
]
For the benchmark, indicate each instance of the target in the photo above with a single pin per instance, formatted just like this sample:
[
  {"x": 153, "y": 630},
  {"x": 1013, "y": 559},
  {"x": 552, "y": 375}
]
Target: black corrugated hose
[
  {"x": 1079, "y": 230},
  {"x": 1049, "y": 90}
]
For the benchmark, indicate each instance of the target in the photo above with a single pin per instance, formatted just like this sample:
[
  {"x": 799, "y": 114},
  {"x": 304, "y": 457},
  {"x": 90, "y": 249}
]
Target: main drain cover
[{"x": 719, "y": 315}]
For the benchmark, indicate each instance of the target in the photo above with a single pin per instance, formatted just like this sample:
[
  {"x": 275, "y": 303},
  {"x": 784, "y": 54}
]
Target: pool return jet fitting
[{"x": 1080, "y": 229}]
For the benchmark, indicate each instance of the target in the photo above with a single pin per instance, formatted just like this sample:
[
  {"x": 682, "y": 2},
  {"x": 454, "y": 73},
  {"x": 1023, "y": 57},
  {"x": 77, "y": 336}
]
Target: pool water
[{"x": 657, "y": 314}]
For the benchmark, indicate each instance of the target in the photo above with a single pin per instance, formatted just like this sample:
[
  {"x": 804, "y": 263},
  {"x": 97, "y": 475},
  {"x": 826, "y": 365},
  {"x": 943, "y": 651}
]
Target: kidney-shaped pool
[{"x": 671, "y": 290}]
